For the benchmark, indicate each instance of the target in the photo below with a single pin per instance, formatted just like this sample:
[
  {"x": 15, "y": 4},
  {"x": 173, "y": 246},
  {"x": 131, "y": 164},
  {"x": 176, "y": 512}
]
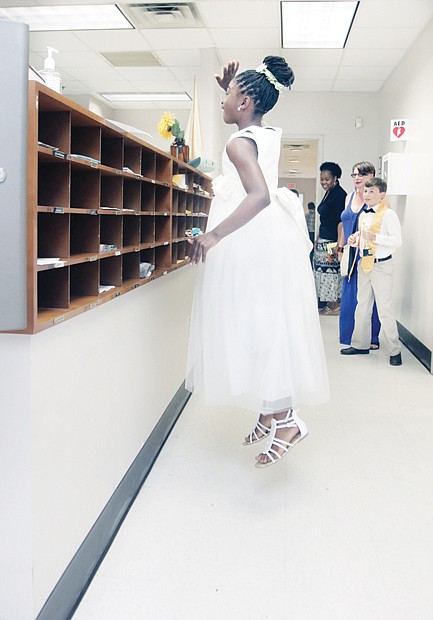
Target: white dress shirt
[{"x": 389, "y": 238}]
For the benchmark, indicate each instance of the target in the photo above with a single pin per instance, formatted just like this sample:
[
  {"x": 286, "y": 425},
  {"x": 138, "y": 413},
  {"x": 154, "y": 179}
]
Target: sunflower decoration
[{"x": 169, "y": 127}]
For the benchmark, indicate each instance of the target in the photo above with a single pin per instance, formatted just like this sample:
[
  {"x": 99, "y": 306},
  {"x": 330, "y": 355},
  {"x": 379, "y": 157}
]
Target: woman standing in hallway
[
  {"x": 325, "y": 261},
  {"x": 361, "y": 172},
  {"x": 255, "y": 338}
]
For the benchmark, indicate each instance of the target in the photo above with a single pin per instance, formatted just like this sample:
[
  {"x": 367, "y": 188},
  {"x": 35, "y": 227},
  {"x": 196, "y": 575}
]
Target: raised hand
[{"x": 228, "y": 73}]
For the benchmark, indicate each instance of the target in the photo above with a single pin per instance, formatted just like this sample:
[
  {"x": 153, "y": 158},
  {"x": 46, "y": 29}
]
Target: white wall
[
  {"x": 329, "y": 117},
  {"x": 16, "y": 600},
  {"x": 409, "y": 94},
  {"x": 81, "y": 399}
]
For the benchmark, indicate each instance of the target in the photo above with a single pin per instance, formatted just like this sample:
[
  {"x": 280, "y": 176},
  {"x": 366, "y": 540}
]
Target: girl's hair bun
[{"x": 280, "y": 70}]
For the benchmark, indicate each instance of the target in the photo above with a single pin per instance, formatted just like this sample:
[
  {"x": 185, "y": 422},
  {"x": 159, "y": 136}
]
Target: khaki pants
[{"x": 376, "y": 285}]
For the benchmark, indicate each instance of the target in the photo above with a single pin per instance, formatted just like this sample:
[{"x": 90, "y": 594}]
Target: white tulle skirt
[{"x": 255, "y": 338}]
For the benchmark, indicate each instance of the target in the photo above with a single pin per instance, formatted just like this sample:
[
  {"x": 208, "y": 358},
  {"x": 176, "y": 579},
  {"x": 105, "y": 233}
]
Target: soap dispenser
[{"x": 49, "y": 73}]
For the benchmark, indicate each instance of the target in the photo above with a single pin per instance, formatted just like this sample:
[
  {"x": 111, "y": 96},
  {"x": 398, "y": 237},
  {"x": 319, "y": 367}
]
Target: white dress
[{"x": 255, "y": 338}]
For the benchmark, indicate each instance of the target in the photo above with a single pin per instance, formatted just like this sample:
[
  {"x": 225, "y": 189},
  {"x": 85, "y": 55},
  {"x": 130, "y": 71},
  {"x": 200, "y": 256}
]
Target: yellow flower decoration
[{"x": 165, "y": 124}]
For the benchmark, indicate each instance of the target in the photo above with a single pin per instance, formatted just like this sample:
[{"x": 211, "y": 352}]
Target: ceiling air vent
[{"x": 158, "y": 15}]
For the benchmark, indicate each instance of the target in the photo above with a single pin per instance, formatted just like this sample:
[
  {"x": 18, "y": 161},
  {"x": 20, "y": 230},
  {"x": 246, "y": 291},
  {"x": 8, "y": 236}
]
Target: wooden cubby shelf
[{"x": 104, "y": 215}]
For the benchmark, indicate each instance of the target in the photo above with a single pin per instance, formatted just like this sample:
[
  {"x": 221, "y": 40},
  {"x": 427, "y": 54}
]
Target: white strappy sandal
[
  {"x": 253, "y": 437},
  {"x": 290, "y": 421}
]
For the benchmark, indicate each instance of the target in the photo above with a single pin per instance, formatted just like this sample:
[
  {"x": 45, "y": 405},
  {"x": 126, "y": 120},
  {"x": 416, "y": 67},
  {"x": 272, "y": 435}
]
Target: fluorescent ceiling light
[
  {"x": 316, "y": 24},
  {"x": 77, "y": 17},
  {"x": 146, "y": 96}
]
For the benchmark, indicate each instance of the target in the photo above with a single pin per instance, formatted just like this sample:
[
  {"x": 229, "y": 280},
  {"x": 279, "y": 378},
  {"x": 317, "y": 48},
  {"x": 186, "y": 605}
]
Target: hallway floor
[{"x": 340, "y": 529}]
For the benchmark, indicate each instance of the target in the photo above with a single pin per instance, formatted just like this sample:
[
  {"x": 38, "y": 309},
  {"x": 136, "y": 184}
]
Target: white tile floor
[{"x": 341, "y": 529}]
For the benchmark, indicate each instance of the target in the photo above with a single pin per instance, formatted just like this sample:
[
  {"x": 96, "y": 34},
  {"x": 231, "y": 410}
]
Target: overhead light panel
[
  {"x": 77, "y": 17},
  {"x": 316, "y": 24},
  {"x": 182, "y": 96}
]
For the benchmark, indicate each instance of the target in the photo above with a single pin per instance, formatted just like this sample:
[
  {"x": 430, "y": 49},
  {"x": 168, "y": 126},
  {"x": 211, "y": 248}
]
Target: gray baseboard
[
  {"x": 419, "y": 350},
  {"x": 69, "y": 590}
]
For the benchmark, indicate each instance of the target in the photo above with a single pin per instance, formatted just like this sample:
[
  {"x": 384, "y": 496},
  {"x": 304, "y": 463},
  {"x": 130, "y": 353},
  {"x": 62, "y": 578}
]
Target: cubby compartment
[
  {"x": 111, "y": 192},
  {"x": 84, "y": 282},
  {"x": 53, "y": 288},
  {"x": 53, "y": 184},
  {"x": 130, "y": 267},
  {"x": 196, "y": 204},
  {"x": 85, "y": 237},
  {"x": 174, "y": 200},
  {"x": 53, "y": 235},
  {"x": 85, "y": 188},
  {"x": 147, "y": 197},
  {"x": 162, "y": 259},
  {"x": 179, "y": 255},
  {"x": 163, "y": 169},
  {"x": 110, "y": 271},
  {"x": 148, "y": 164},
  {"x": 132, "y": 194},
  {"x": 174, "y": 222},
  {"x": 181, "y": 227},
  {"x": 54, "y": 129},
  {"x": 189, "y": 204},
  {"x": 201, "y": 203},
  {"x": 131, "y": 231},
  {"x": 132, "y": 158},
  {"x": 181, "y": 202},
  {"x": 86, "y": 141},
  {"x": 147, "y": 257},
  {"x": 162, "y": 229},
  {"x": 147, "y": 229},
  {"x": 111, "y": 150},
  {"x": 111, "y": 231},
  {"x": 162, "y": 199}
]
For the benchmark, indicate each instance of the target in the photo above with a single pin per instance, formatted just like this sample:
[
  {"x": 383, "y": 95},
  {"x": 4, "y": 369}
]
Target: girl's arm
[{"x": 243, "y": 153}]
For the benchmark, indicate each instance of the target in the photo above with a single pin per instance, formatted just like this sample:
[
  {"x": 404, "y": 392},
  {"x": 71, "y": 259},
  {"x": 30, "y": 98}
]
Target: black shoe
[
  {"x": 353, "y": 351},
  {"x": 395, "y": 360}
]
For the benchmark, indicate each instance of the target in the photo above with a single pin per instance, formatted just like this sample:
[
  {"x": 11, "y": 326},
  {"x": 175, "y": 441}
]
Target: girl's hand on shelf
[
  {"x": 229, "y": 73},
  {"x": 200, "y": 246}
]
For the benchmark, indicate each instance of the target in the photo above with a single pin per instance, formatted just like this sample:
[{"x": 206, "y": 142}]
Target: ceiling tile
[
  {"x": 312, "y": 85},
  {"x": 413, "y": 14},
  {"x": 144, "y": 73},
  {"x": 246, "y": 37},
  {"x": 254, "y": 14},
  {"x": 113, "y": 40},
  {"x": 108, "y": 86},
  {"x": 327, "y": 72},
  {"x": 358, "y": 85},
  {"x": 248, "y": 58},
  {"x": 157, "y": 86},
  {"x": 180, "y": 58},
  {"x": 372, "y": 57},
  {"x": 312, "y": 57},
  {"x": 382, "y": 38},
  {"x": 378, "y": 72},
  {"x": 81, "y": 59},
  {"x": 178, "y": 38},
  {"x": 62, "y": 41}
]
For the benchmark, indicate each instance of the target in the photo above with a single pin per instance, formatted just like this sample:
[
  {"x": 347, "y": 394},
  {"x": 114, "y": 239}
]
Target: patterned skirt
[{"x": 326, "y": 273}]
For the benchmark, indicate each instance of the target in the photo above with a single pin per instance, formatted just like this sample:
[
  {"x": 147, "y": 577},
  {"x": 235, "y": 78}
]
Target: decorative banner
[
  {"x": 193, "y": 135},
  {"x": 399, "y": 129}
]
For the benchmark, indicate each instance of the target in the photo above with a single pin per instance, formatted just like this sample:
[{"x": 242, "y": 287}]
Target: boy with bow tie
[{"x": 379, "y": 235}]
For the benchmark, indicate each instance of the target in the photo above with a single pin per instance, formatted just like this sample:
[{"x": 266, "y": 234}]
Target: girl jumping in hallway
[{"x": 255, "y": 338}]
